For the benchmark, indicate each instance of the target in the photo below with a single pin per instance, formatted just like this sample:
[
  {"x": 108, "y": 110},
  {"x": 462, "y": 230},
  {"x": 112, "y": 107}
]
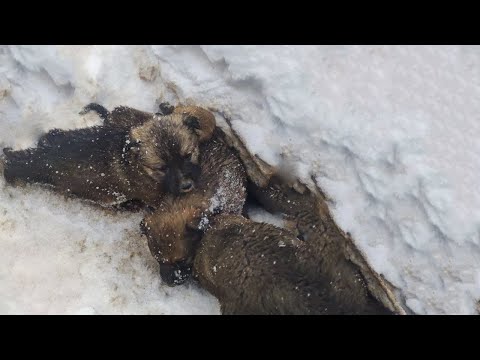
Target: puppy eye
[
  {"x": 188, "y": 156},
  {"x": 161, "y": 167}
]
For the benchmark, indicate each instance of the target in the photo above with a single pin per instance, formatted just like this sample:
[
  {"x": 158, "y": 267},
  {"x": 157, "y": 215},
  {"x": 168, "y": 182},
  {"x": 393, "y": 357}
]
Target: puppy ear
[
  {"x": 192, "y": 122},
  {"x": 165, "y": 108},
  {"x": 199, "y": 120}
]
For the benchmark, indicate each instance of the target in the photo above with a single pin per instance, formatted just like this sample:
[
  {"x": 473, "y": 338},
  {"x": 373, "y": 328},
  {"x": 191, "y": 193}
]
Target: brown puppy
[
  {"x": 221, "y": 188},
  {"x": 136, "y": 156},
  {"x": 257, "y": 268},
  {"x": 323, "y": 238},
  {"x": 253, "y": 268}
]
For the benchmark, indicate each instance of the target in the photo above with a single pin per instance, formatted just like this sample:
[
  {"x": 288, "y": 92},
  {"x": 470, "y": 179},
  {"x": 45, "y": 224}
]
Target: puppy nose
[
  {"x": 174, "y": 274},
  {"x": 186, "y": 186}
]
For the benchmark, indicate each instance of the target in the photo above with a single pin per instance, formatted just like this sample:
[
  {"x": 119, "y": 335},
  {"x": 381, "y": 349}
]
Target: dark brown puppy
[
  {"x": 257, "y": 268},
  {"x": 221, "y": 188},
  {"x": 324, "y": 241},
  {"x": 136, "y": 156},
  {"x": 254, "y": 268}
]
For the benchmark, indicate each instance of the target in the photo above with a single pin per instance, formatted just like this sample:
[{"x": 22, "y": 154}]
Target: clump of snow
[
  {"x": 222, "y": 201},
  {"x": 389, "y": 132},
  {"x": 228, "y": 197},
  {"x": 259, "y": 214}
]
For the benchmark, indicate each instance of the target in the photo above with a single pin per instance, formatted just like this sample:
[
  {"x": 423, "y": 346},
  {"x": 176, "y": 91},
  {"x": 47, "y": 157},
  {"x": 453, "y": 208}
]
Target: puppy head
[
  {"x": 167, "y": 153},
  {"x": 167, "y": 150},
  {"x": 173, "y": 236}
]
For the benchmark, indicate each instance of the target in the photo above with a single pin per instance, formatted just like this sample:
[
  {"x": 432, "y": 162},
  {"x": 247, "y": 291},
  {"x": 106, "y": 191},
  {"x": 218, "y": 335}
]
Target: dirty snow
[{"x": 389, "y": 132}]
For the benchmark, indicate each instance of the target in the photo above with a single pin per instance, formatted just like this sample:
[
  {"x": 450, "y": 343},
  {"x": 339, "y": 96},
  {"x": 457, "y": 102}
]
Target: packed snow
[{"x": 388, "y": 132}]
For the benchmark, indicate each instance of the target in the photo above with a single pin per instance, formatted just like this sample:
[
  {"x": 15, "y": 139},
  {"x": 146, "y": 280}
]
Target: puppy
[{"x": 135, "y": 156}]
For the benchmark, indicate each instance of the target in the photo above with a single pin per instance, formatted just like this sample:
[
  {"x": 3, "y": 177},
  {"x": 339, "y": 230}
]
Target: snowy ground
[{"x": 389, "y": 132}]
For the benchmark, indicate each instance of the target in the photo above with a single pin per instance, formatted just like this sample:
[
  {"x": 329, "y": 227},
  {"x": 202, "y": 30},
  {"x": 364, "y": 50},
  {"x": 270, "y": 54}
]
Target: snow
[
  {"x": 259, "y": 214},
  {"x": 67, "y": 257},
  {"x": 389, "y": 132}
]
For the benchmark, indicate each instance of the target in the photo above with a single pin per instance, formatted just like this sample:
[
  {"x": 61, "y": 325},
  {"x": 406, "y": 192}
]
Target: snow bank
[{"x": 389, "y": 132}]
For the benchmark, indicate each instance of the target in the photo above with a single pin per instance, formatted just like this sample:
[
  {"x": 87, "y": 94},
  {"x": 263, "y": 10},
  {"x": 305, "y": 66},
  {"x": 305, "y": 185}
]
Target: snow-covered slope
[{"x": 389, "y": 132}]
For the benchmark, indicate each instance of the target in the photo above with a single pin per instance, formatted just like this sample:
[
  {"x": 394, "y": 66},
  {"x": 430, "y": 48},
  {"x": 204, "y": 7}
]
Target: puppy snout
[
  {"x": 175, "y": 274},
  {"x": 186, "y": 186}
]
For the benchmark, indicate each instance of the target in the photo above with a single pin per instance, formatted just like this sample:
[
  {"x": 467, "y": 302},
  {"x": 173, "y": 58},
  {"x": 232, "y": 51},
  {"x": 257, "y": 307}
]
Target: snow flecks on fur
[{"x": 225, "y": 198}]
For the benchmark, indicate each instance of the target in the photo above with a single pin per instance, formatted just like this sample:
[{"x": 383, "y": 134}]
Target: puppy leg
[{"x": 20, "y": 167}]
